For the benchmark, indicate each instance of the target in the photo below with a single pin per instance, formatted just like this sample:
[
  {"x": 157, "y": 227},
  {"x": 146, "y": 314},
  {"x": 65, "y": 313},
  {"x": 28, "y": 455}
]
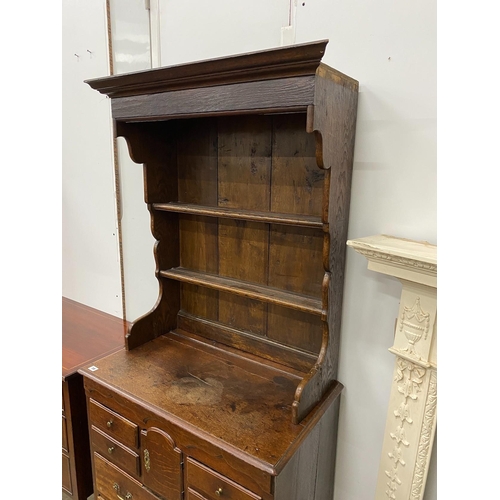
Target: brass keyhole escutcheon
[
  {"x": 218, "y": 492},
  {"x": 147, "y": 460}
]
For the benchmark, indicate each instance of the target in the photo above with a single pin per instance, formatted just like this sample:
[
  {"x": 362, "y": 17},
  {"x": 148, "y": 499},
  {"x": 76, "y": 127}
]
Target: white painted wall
[
  {"x": 90, "y": 259},
  {"x": 390, "y": 48},
  {"x": 130, "y": 36},
  {"x": 394, "y": 181}
]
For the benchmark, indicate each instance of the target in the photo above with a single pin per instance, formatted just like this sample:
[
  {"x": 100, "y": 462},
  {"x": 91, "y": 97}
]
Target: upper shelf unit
[{"x": 247, "y": 162}]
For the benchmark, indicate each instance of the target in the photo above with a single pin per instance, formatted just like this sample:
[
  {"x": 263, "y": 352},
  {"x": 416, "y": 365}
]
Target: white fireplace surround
[{"x": 411, "y": 416}]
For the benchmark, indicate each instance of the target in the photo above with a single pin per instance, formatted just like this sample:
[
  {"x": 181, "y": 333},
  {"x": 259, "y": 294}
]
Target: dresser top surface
[
  {"x": 232, "y": 399},
  {"x": 87, "y": 334}
]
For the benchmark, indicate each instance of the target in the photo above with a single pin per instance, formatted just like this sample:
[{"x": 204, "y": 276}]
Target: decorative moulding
[
  {"x": 411, "y": 416},
  {"x": 399, "y": 257}
]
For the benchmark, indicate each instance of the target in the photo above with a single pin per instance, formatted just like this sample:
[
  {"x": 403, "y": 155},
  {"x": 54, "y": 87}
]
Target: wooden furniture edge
[
  {"x": 281, "y": 62},
  {"x": 272, "y": 469},
  {"x": 166, "y": 415}
]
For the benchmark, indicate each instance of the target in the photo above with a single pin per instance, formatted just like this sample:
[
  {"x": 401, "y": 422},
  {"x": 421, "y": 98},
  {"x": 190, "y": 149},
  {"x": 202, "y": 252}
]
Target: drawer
[
  {"x": 213, "y": 486},
  {"x": 64, "y": 435},
  {"x": 116, "y": 426},
  {"x": 66, "y": 474},
  {"x": 105, "y": 445},
  {"x": 192, "y": 495},
  {"x": 113, "y": 483}
]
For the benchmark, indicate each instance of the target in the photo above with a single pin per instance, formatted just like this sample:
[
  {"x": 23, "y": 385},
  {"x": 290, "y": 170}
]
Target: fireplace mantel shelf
[
  {"x": 411, "y": 416},
  {"x": 399, "y": 257}
]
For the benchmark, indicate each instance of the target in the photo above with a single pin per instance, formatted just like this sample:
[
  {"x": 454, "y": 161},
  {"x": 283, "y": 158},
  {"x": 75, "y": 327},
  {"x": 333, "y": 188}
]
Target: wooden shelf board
[
  {"x": 250, "y": 215},
  {"x": 251, "y": 290}
]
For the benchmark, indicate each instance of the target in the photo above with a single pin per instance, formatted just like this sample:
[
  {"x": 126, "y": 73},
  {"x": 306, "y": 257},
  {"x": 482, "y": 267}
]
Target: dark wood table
[{"x": 87, "y": 335}]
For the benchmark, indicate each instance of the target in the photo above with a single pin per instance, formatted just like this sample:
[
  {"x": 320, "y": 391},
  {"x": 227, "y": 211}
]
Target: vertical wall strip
[
  {"x": 116, "y": 169},
  {"x": 154, "y": 30},
  {"x": 288, "y": 32}
]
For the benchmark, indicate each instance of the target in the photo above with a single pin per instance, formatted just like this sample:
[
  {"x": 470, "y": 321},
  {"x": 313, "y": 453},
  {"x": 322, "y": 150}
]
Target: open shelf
[
  {"x": 251, "y": 290},
  {"x": 248, "y": 215}
]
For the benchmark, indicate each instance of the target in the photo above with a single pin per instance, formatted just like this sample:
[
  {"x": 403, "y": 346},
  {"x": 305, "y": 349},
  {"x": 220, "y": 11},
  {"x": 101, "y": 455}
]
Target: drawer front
[
  {"x": 64, "y": 435},
  {"x": 66, "y": 474},
  {"x": 213, "y": 486},
  {"x": 116, "y": 426},
  {"x": 108, "y": 447},
  {"x": 192, "y": 495},
  {"x": 113, "y": 483}
]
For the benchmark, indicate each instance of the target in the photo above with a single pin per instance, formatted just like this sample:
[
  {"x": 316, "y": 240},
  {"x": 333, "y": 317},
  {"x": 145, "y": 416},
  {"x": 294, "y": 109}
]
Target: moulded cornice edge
[{"x": 399, "y": 257}]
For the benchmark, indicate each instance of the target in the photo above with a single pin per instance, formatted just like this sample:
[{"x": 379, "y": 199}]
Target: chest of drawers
[
  {"x": 150, "y": 443},
  {"x": 87, "y": 334}
]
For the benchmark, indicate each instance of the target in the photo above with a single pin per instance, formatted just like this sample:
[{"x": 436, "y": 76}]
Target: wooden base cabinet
[
  {"x": 147, "y": 454},
  {"x": 87, "y": 334},
  {"x": 228, "y": 386}
]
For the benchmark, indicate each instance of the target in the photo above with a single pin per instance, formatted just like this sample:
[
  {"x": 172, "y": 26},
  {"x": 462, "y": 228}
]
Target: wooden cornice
[{"x": 283, "y": 62}]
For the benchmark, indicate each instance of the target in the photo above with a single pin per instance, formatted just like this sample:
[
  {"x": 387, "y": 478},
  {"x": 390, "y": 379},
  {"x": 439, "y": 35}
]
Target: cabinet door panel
[
  {"x": 66, "y": 474},
  {"x": 161, "y": 463},
  {"x": 64, "y": 435}
]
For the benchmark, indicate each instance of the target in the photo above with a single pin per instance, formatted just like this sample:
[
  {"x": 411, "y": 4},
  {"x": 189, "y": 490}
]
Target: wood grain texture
[
  {"x": 296, "y": 329},
  {"x": 197, "y": 151},
  {"x": 76, "y": 470},
  {"x": 248, "y": 342},
  {"x": 334, "y": 123},
  {"x": 297, "y": 92},
  {"x": 244, "y": 169},
  {"x": 207, "y": 482},
  {"x": 295, "y": 259},
  {"x": 252, "y": 464},
  {"x": 197, "y": 181},
  {"x": 297, "y": 181},
  {"x": 113, "y": 424},
  {"x": 115, "y": 452},
  {"x": 206, "y": 387},
  {"x": 311, "y": 471},
  {"x": 199, "y": 252},
  {"x": 87, "y": 334},
  {"x": 241, "y": 214},
  {"x": 110, "y": 481},
  {"x": 245, "y": 289},
  {"x": 164, "y": 471},
  {"x": 154, "y": 145},
  {"x": 240, "y": 243},
  {"x": 283, "y": 62}
]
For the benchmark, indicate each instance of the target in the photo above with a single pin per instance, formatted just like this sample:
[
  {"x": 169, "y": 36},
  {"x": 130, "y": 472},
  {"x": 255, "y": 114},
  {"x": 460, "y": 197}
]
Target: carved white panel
[
  {"x": 415, "y": 323},
  {"x": 411, "y": 416}
]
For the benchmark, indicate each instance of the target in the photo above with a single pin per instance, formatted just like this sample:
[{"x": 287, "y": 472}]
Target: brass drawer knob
[
  {"x": 109, "y": 423},
  {"x": 218, "y": 492},
  {"x": 111, "y": 449}
]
